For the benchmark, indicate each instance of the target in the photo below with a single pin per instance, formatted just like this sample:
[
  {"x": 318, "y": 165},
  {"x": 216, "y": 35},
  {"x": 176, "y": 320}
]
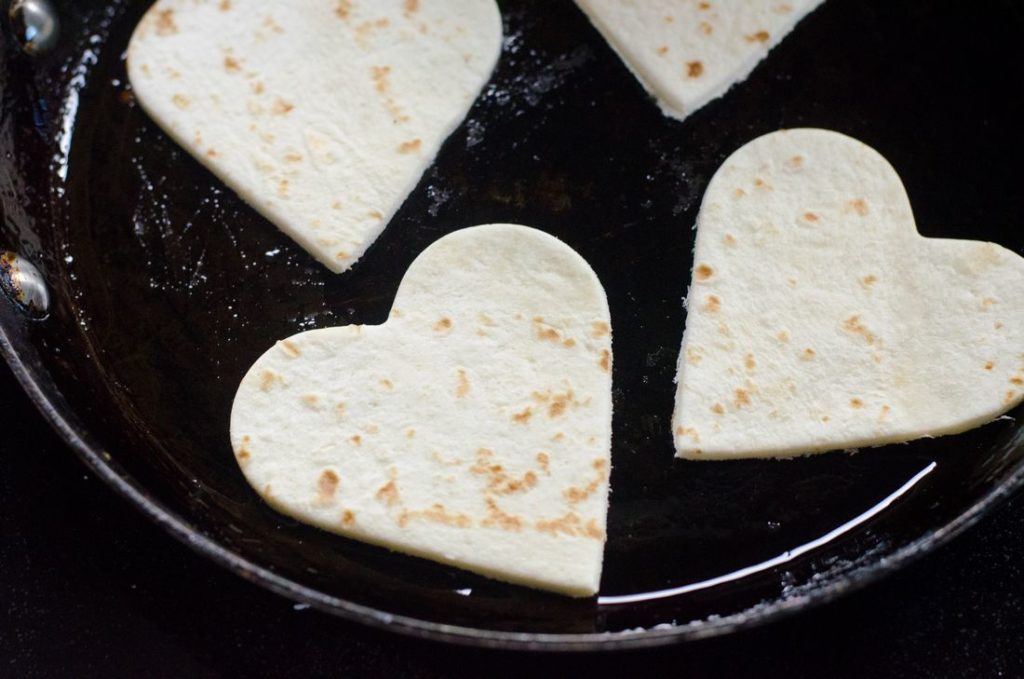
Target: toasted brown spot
[
  {"x": 212, "y": 153},
  {"x": 438, "y": 514},
  {"x": 548, "y": 334},
  {"x": 293, "y": 157},
  {"x": 569, "y": 343},
  {"x": 410, "y": 146},
  {"x": 348, "y": 517},
  {"x": 694, "y": 69},
  {"x": 782, "y": 336},
  {"x": 1008, "y": 399},
  {"x": 544, "y": 461},
  {"x": 388, "y": 494},
  {"x": 343, "y": 9},
  {"x": 703, "y": 272},
  {"x": 760, "y": 36},
  {"x": 411, "y": 6},
  {"x": 998, "y": 325},
  {"x": 749, "y": 362},
  {"x": 856, "y": 403},
  {"x": 808, "y": 354},
  {"x": 600, "y": 329},
  {"x": 342, "y": 256},
  {"x": 165, "y": 22},
  {"x": 282, "y": 188},
  {"x": 739, "y": 193},
  {"x": 824, "y": 418},
  {"x": 693, "y": 357},
  {"x": 327, "y": 484},
  {"x": 570, "y": 524},
  {"x": 987, "y": 302},
  {"x": 883, "y": 412},
  {"x": 558, "y": 436},
  {"x": 499, "y": 481},
  {"x": 443, "y": 325},
  {"x": 574, "y": 494},
  {"x": 703, "y": 5},
  {"x": 606, "y": 360},
  {"x": 1017, "y": 381},
  {"x": 387, "y": 384},
  {"x": 225, "y": 5},
  {"x": 989, "y": 365},
  {"x": 523, "y": 417},
  {"x": 496, "y": 517},
  {"x": 410, "y": 433},
  {"x": 257, "y": 87},
  {"x": 559, "y": 404},
  {"x": 853, "y": 325},
  {"x": 729, "y": 240},
  {"x": 311, "y": 401},
  {"x": 858, "y": 205},
  {"x": 243, "y": 454},
  {"x": 268, "y": 378},
  {"x": 181, "y": 101},
  {"x": 760, "y": 183},
  {"x": 463, "y": 387},
  {"x": 712, "y": 304},
  {"x": 356, "y": 440},
  {"x": 290, "y": 348},
  {"x": 375, "y": 214},
  {"x": 810, "y": 217},
  {"x": 282, "y": 107},
  {"x": 438, "y": 458},
  {"x": 796, "y": 162},
  {"x": 741, "y": 398},
  {"x": 661, "y": 51},
  {"x": 688, "y": 431},
  {"x": 336, "y": 205},
  {"x": 380, "y": 78},
  {"x": 869, "y": 280}
]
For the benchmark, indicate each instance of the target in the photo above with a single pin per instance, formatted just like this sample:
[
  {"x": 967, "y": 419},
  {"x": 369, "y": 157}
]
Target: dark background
[{"x": 88, "y": 587}]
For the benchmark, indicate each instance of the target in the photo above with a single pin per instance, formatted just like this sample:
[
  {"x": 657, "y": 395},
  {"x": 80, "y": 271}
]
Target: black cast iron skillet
[{"x": 164, "y": 287}]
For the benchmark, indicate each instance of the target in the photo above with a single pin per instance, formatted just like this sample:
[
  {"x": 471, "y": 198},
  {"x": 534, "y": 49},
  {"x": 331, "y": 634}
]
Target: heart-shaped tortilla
[
  {"x": 321, "y": 114},
  {"x": 686, "y": 53},
  {"x": 819, "y": 319},
  {"x": 473, "y": 428}
]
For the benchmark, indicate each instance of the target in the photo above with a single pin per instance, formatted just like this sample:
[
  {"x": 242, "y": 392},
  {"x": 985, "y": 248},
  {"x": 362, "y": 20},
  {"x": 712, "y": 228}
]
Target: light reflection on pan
[{"x": 785, "y": 557}]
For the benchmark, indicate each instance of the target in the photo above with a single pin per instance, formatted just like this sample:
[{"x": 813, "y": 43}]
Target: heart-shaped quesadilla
[
  {"x": 321, "y": 114},
  {"x": 818, "y": 318},
  {"x": 472, "y": 428},
  {"x": 687, "y": 52}
]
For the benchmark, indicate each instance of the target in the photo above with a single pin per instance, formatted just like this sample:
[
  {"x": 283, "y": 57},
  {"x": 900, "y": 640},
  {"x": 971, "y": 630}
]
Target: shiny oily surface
[{"x": 165, "y": 287}]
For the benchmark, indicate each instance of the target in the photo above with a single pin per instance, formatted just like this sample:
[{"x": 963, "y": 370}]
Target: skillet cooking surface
[{"x": 166, "y": 288}]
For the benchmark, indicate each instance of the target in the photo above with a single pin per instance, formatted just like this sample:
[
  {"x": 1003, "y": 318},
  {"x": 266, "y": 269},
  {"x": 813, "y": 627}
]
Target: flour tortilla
[
  {"x": 685, "y": 52},
  {"x": 472, "y": 428},
  {"x": 321, "y": 114},
  {"x": 819, "y": 319}
]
